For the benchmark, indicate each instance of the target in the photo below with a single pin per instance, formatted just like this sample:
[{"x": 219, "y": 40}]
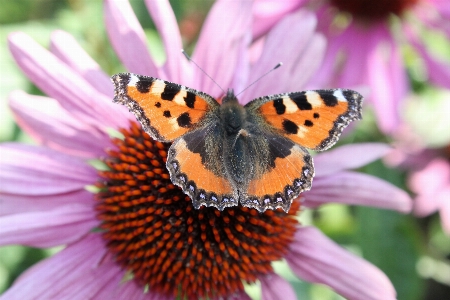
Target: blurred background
[{"x": 414, "y": 252}]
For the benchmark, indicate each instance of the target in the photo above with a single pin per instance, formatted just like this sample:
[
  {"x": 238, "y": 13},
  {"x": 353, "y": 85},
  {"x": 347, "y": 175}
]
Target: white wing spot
[
  {"x": 133, "y": 80},
  {"x": 157, "y": 87},
  {"x": 301, "y": 131},
  {"x": 290, "y": 105},
  {"x": 338, "y": 94},
  {"x": 179, "y": 98},
  {"x": 314, "y": 99}
]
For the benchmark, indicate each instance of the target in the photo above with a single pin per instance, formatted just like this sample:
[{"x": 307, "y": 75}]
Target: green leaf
[{"x": 390, "y": 241}]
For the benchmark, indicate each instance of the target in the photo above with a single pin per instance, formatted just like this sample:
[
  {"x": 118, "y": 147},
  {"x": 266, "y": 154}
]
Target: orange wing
[
  {"x": 313, "y": 119},
  {"x": 195, "y": 164},
  {"x": 166, "y": 110},
  {"x": 290, "y": 175}
]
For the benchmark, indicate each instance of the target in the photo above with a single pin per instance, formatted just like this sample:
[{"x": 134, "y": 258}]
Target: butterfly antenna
[
  {"x": 190, "y": 59},
  {"x": 260, "y": 77}
]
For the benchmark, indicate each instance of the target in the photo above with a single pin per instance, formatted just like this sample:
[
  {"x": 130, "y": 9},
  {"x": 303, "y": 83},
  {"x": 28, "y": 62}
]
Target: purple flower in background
[
  {"x": 431, "y": 184},
  {"x": 364, "y": 45},
  {"x": 134, "y": 235},
  {"x": 428, "y": 173}
]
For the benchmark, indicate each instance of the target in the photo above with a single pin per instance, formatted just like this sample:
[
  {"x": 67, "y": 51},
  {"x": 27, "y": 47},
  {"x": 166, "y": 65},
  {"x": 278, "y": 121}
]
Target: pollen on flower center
[
  {"x": 154, "y": 232},
  {"x": 373, "y": 10}
]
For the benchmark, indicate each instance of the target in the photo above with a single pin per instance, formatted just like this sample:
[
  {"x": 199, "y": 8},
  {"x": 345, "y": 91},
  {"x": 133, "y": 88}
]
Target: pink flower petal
[
  {"x": 240, "y": 79},
  {"x": 348, "y": 157},
  {"x": 303, "y": 52},
  {"x": 58, "y": 226},
  {"x": 266, "y": 13},
  {"x": 356, "y": 58},
  {"x": 128, "y": 290},
  {"x": 87, "y": 271},
  {"x": 387, "y": 78},
  {"x": 176, "y": 66},
  {"x": 238, "y": 296},
  {"x": 434, "y": 14},
  {"x": 274, "y": 287},
  {"x": 60, "y": 82},
  {"x": 51, "y": 125},
  {"x": 438, "y": 71},
  {"x": 17, "y": 203},
  {"x": 425, "y": 205},
  {"x": 65, "y": 47},
  {"x": 316, "y": 258},
  {"x": 358, "y": 189},
  {"x": 78, "y": 265},
  {"x": 442, "y": 6},
  {"x": 220, "y": 43},
  {"x": 341, "y": 59},
  {"x": 328, "y": 75},
  {"x": 128, "y": 38},
  {"x": 309, "y": 62},
  {"x": 379, "y": 63},
  {"x": 30, "y": 170},
  {"x": 431, "y": 184},
  {"x": 438, "y": 14},
  {"x": 434, "y": 176}
]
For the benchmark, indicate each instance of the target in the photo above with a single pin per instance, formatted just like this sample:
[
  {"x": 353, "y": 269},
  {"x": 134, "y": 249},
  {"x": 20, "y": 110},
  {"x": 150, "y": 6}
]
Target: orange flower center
[{"x": 154, "y": 232}]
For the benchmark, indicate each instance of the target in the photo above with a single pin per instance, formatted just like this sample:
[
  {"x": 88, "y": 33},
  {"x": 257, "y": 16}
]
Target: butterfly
[{"x": 225, "y": 154}]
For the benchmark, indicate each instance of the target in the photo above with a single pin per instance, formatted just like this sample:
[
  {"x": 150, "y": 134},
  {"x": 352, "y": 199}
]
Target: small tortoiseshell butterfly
[{"x": 224, "y": 153}]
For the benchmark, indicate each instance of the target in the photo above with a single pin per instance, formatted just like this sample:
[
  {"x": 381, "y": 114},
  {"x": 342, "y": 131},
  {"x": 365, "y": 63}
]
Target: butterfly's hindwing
[
  {"x": 289, "y": 173},
  {"x": 195, "y": 163}
]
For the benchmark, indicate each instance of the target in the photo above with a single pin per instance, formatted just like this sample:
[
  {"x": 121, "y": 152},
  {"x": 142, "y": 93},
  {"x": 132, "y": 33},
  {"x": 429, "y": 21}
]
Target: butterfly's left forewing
[
  {"x": 312, "y": 119},
  {"x": 166, "y": 110}
]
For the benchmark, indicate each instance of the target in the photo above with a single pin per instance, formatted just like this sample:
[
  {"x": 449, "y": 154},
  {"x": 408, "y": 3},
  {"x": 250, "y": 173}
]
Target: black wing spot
[
  {"x": 184, "y": 120},
  {"x": 328, "y": 98},
  {"x": 290, "y": 127},
  {"x": 189, "y": 99},
  {"x": 170, "y": 91},
  {"x": 308, "y": 123},
  {"x": 279, "y": 106},
  {"x": 124, "y": 78},
  {"x": 158, "y": 104},
  {"x": 167, "y": 114},
  {"x": 143, "y": 86},
  {"x": 301, "y": 101},
  {"x": 350, "y": 95},
  {"x": 278, "y": 148},
  {"x": 316, "y": 115}
]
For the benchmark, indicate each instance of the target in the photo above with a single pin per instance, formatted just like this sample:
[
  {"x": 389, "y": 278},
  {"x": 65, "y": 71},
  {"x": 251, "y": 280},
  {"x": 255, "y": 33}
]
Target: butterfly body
[{"x": 227, "y": 153}]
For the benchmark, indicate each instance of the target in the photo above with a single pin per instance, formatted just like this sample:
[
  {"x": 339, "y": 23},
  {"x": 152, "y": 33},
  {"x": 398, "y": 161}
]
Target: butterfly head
[
  {"x": 229, "y": 97},
  {"x": 232, "y": 113}
]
